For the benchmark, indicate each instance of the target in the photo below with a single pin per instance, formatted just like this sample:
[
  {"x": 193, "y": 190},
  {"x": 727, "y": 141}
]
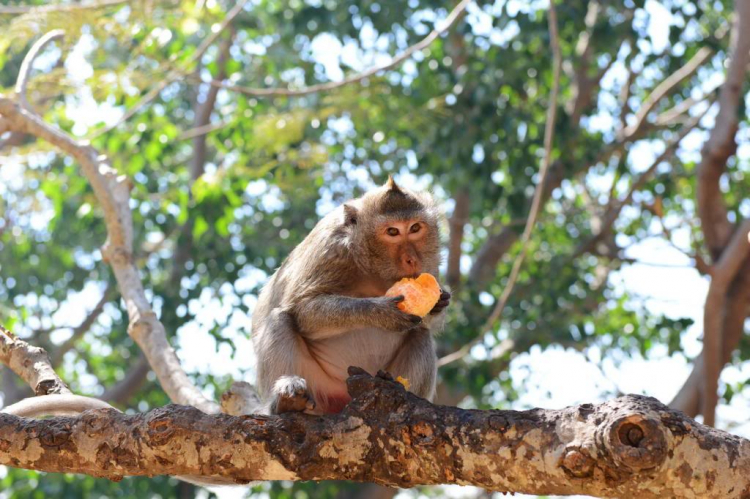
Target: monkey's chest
[{"x": 371, "y": 349}]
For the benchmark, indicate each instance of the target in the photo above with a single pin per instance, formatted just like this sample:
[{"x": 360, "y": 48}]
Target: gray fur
[{"x": 324, "y": 310}]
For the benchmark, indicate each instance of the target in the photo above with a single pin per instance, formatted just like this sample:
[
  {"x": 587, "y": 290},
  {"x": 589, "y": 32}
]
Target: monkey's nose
[{"x": 410, "y": 265}]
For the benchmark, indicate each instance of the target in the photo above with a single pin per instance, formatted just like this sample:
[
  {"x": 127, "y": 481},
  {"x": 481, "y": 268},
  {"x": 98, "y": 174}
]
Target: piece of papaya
[{"x": 420, "y": 294}]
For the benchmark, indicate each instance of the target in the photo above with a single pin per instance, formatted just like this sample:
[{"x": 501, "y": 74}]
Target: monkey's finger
[
  {"x": 398, "y": 299},
  {"x": 415, "y": 318},
  {"x": 444, "y": 296},
  {"x": 310, "y": 405}
]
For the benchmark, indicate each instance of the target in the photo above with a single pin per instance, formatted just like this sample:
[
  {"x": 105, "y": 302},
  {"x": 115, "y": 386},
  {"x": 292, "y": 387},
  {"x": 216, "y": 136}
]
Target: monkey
[{"x": 324, "y": 308}]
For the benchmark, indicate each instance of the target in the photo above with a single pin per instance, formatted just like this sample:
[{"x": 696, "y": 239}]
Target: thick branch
[
  {"x": 721, "y": 142},
  {"x": 713, "y": 317},
  {"x": 632, "y": 446},
  {"x": 31, "y": 364},
  {"x": 689, "y": 398},
  {"x": 113, "y": 193}
]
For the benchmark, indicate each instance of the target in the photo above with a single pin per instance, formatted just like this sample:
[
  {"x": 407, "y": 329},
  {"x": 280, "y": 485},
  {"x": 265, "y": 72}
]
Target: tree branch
[
  {"x": 433, "y": 35},
  {"x": 615, "y": 206},
  {"x": 457, "y": 223},
  {"x": 24, "y": 72},
  {"x": 632, "y": 446},
  {"x": 113, "y": 193},
  {"x": 83, "y": 327},
  {"x": 721, "y": 142},
  {"x": 31, "y": 364},
  {"x": 55, "y": 405},
  {"x": 43, "y": 9},
  {"x": 536, "y": 203},
  {"x": 666, "y": 87},
  {"x": 713, "y": 317},
  {"x": 123, "y": 390},
  {"x": 689, "y": 397},
  {"x": 176, "y": 74}
]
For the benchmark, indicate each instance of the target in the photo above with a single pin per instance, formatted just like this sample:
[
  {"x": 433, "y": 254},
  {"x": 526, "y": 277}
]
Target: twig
[
  {"x": 176, "y": 74},
  {"x": 25, "y": 71},
  {"x": 615, "y": 206},
  {"x": 537, "y": 201},
  {"x": 120, "y": 392},
  {"x": 454, "y": 15},
  {"x": 43, "y": 9},
  {"x": 31, "y": 364},
  {"x": 202, "y": 130},
  {"x": 665, "y": 87},
  {"x": 81, "y": 329}
]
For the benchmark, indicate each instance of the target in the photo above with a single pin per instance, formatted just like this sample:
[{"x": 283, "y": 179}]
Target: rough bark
[
  {"x": 632, "y": 446},
  {"x": 32, "y": 364}
]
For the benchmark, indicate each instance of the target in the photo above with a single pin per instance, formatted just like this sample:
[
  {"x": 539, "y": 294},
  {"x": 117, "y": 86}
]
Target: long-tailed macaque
[{"x": 324, "y": 309}]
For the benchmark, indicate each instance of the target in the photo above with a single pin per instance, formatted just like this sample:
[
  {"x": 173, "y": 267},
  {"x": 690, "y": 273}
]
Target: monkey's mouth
[{"x": 411, "y": 276}]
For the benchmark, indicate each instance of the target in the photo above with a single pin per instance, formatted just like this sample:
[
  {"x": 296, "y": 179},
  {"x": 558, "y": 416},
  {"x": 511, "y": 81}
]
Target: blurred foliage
[{"x": 466, "y": 113}]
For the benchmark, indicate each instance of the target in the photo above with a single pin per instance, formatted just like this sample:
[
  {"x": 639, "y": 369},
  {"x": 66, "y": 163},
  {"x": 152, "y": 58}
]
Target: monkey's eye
[
  {"x": 392, "y": 231},
  {"x": 415, "y": 228}
]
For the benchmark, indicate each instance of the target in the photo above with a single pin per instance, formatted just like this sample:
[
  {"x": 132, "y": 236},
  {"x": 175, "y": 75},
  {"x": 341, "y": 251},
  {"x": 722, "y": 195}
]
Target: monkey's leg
[
  {"x": 281, "y": 352},
  {"x": 417, "y": 362}
]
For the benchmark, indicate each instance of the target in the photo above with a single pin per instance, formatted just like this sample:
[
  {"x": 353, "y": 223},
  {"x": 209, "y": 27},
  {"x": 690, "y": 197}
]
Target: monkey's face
[
  {"x": 402, "y": 246},
  {"x": 397, "y": 230}
]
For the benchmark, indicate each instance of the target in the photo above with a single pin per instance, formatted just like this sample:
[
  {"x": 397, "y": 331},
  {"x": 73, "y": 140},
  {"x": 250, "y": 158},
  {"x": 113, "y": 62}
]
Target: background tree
[{"x": 224, "y": 117}]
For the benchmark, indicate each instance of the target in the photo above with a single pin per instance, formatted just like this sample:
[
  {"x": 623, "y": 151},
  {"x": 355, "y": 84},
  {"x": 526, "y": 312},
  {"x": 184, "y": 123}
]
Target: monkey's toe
[{"x": 291, "y": 395}]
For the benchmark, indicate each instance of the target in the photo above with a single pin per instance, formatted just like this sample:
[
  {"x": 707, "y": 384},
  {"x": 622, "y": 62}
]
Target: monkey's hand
[
  {"x": 388, "y": 316},
  {"x": 443, "y": 301}
]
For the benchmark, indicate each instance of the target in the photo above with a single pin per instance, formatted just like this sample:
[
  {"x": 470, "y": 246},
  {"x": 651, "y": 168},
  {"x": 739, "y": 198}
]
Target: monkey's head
[{"x": 393, "y": 232}]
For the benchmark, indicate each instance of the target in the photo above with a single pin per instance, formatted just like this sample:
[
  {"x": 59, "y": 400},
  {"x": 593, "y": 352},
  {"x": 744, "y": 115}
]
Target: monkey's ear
[
  {"x": 350, "y": 215},
  {"x": 391, "y": 184}
]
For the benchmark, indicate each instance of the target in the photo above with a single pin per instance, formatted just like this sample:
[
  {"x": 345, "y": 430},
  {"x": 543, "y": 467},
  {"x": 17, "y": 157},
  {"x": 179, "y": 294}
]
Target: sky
[{"x": 664, "y": 277}]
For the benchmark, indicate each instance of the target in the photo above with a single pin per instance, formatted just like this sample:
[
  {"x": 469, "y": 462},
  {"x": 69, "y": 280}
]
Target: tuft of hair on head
[
  {"x": 391, "y": 199},
  {"x": 391, "y": 185}
]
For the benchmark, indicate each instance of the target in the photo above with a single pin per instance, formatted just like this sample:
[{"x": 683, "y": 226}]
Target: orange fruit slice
[{"x": 420, "y": 294}]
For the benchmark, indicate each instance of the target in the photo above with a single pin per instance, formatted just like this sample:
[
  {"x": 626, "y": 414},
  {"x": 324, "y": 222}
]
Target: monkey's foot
[{"x": 290, "y": 394}]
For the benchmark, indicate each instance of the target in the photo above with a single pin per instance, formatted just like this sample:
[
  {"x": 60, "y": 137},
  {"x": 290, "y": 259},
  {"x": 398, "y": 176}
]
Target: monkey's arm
[{"x": 324, "y": 316}]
